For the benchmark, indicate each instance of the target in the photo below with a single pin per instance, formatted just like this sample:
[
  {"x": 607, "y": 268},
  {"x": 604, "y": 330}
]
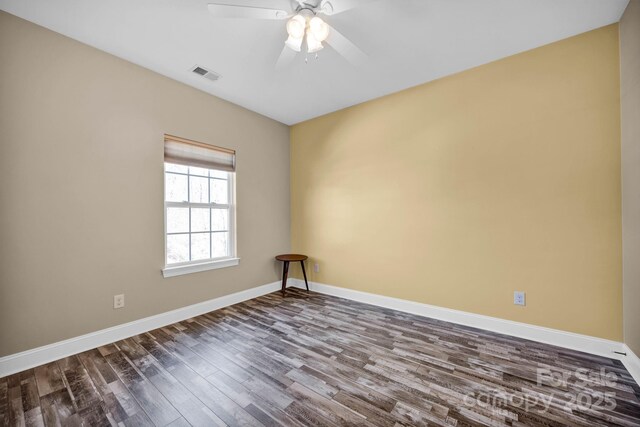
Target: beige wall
[
  {"x": 630, "y": 119},
  {"x": 460, "y": 191},
  {"x": 81, "y": 182},
  {"x": 453, "y": 193}
]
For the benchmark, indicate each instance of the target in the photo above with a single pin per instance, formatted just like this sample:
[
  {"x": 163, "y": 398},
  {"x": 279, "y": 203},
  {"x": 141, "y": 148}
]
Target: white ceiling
[{"x": 408, "y": 42}]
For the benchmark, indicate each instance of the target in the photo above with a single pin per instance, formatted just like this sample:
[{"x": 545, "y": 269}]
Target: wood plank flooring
[{"x": 311, "y": 359}]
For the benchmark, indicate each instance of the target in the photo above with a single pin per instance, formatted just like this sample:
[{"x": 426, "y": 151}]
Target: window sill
[{"x": 195, "y": 268}]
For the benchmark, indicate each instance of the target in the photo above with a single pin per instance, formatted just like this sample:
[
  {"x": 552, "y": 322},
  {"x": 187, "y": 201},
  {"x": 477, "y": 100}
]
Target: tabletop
[{"x": 291, "y": 257}]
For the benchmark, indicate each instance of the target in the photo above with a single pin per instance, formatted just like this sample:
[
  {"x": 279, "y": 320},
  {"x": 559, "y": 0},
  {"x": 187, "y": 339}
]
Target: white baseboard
[
  {"x": 48, "y": 353},
  {"x": 632, "y": 363},
  {"x": 570, "y": 340}
]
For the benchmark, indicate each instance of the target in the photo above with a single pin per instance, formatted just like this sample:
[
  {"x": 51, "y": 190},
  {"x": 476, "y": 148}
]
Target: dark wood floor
[{"x": 310, "y": 359}]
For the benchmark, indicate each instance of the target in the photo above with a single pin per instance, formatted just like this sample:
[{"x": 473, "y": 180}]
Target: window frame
[{"x": 186, "y": 267}]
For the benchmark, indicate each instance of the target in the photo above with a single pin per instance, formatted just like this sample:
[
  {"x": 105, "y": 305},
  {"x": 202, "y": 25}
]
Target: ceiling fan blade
[
  {"x": 286, "y": 57},
  {"x": 333, "y": 7},
  {"x": 344, "y": 47},
  {"x": 245, "y": 12}
]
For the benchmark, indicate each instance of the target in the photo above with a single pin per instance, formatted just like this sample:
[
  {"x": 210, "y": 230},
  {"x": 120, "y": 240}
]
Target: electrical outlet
[
  {"x": 316, "y": 268},
  {"x": 518, "y": 298},
  {"x": 118, "y": 301}
]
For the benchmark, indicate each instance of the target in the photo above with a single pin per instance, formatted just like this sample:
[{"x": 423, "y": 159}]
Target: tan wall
[
  {"x": 630, "y": 119},
  {"x": 460, "y": 191},
  {"x": 81, "y": 183}
]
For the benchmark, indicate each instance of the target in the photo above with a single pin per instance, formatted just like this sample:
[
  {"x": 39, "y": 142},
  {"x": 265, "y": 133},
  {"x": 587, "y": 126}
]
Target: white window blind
[{"x": 183, "y": 151}]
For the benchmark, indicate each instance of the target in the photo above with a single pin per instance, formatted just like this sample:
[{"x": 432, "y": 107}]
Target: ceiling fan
[{"x": 305, "y": 23}]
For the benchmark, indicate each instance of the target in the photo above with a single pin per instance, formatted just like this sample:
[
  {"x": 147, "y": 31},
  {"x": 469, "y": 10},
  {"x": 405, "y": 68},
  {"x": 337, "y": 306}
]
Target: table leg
[
  {"x": 304, "y": 273},
  {"x": 285, "y": 272}
]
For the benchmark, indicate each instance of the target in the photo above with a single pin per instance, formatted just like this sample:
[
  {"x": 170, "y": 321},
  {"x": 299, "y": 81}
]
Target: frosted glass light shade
[
  {"x": 319, "y": 29},
  {"x": 294, "y": 43},
  {"x": 296, "y": 26},
  {"x": 313, "y": 44}
]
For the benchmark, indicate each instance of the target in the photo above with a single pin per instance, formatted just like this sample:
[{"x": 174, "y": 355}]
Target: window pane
[
  {"x": 200, "y": 246},
  {"x": 200, "y": 219},
  {"x": 199, "y": 189},
  {"x": 219, "y": 245},
  {"x": 198, "y": 171},
  {"x": 219, "y": 191},
  {"x": 197, "y": 233},
  {"x": 177, "y": 220},
  {"x": 219, "y": 219},
  {"x": 177, "y": 248},
  {"x": 170, "y": 167},
  {"x": 175, "y": 187},
  {"x": 218, "y": 174}
]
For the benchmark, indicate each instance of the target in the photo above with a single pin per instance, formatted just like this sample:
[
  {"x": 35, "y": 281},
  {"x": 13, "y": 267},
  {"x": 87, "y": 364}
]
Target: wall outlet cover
[
  {"x": 518, "y": 298},
  {"x": 118, "y": 301}
]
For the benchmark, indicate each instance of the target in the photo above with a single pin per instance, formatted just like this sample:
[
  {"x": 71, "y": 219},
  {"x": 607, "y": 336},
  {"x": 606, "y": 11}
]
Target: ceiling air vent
[{"x": 205, "y": 73}]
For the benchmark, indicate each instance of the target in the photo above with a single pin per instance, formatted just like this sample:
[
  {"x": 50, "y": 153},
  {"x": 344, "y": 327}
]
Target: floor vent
[{"x": 207, "y": 74}]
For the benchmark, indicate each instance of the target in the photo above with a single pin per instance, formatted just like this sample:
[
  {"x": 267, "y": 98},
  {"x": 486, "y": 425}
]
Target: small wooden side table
[{"x": 287, "y": 258}]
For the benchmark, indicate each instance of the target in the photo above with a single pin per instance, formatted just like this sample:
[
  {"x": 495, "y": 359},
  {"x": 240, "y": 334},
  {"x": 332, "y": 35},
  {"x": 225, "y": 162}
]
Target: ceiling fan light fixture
[
  {"x": 296, "y": 27},
  {"x": 319, "y": 29},
  {"x": 294, "y": 43},
  {"x": 313, "y": 44}
]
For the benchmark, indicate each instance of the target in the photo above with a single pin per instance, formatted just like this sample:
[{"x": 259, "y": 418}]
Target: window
[{"x": 199, "y": 209}]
